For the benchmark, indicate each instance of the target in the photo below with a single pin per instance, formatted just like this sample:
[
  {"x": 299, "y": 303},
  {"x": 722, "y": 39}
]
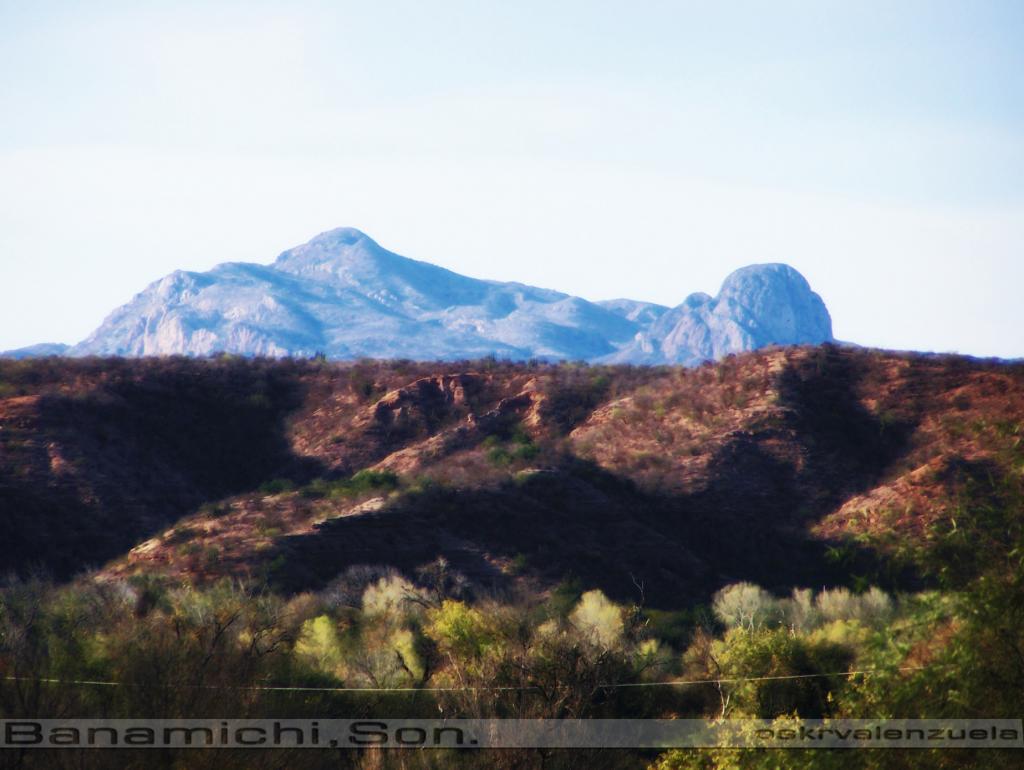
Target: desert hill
[{"x": 785, "y": 466}]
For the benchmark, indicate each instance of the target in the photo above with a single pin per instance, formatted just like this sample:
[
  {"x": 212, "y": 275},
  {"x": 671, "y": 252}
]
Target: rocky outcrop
[
  {"x": 425, "y": 402},
  {"x": 757, "y": 306}
]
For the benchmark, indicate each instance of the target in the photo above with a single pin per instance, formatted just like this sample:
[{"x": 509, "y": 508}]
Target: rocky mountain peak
[
  {"x": 779, "y": 302},
  {"x": 344, "y": 252},
  {"x": 344, "y": 294}
]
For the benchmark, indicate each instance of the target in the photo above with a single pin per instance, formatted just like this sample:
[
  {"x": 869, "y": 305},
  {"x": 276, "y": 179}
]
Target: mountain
[
  {"x": 344, "y": 295},
  {"x": 41, "y": 350},
  {"x": 757, "y": 306}
]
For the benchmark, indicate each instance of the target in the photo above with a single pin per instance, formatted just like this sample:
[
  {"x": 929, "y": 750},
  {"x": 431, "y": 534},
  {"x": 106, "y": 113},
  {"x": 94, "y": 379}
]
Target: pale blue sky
[{"x": 641, "y": 149}]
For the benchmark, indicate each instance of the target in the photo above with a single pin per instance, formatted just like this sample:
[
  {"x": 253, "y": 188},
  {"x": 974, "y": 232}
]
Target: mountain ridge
[{"x": 344, "y": 295}]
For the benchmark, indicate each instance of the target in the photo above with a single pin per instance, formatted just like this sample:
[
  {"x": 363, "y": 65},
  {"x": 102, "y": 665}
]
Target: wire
[{"x": 606, "y": 685}]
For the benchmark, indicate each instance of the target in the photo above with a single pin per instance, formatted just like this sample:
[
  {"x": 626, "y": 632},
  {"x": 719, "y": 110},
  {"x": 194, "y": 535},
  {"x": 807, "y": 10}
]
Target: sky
[{"x": 605, "y": 149}]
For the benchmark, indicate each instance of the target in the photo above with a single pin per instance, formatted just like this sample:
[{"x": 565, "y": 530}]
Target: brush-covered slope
[{"x": 762, "y": 467}]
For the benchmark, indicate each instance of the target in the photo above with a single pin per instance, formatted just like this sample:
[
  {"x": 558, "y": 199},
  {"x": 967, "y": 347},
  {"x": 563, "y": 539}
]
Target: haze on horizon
[{"x": 601, "y": 149}]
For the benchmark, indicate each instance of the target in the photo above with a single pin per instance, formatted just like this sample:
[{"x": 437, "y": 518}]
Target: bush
[
  {"x": 361, "y": 483},
  {"x": 392, "y": 597},
  {"x": 598, "y": 619},
  {"x": 519, "y": 448},
  {"x": 765, "y": 657},
  {"x": 874, "y": 607},
  {"x": 276, "y": 486},
  {"x": 459, "y": 630},
  {"x": 744, "y": 605},
  {"x": 318, "y": 645}
]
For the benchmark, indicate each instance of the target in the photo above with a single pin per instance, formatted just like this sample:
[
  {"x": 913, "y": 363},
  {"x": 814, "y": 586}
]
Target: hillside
[{"x": 787, "y": 466}]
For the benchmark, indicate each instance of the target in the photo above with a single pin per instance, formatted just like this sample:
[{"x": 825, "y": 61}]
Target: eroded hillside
[{"x": 795, "y": 466}]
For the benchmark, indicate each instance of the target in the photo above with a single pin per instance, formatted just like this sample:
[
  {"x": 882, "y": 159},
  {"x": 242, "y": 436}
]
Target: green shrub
[
  {"x": 764, "y": 658},
  {"x": 460, "y": 630},
  {"x": 519, "y": 447},
  {"x": 369, "y": 480},
  {"x": 360, "y": 483},
  {"x": 276, "y": 486},
  {"x": 518, "y": 564},
  {"x": 215, "y": 510}
]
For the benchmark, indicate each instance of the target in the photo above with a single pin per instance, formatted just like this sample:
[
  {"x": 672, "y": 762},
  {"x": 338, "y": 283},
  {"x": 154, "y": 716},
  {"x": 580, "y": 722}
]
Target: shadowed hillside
[{"x": 661, "y": 482}]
